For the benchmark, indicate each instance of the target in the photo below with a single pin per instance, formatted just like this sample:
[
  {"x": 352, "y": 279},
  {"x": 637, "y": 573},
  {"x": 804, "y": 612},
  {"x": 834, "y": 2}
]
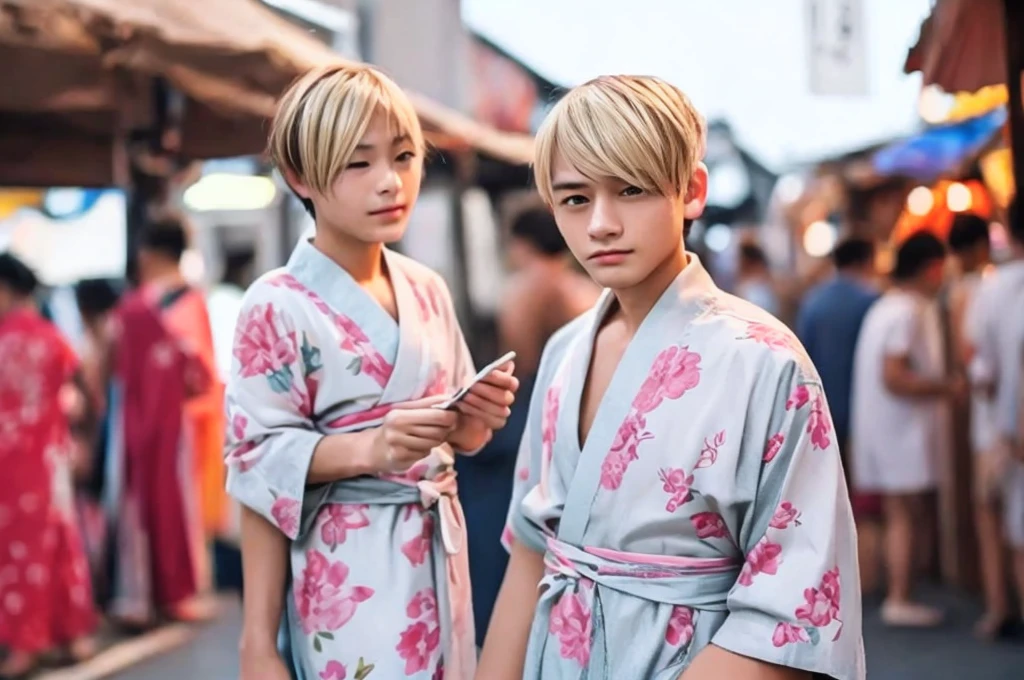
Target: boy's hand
[
  {"x": 484, "y": 409},
  {"x": 409, "y": 433}
]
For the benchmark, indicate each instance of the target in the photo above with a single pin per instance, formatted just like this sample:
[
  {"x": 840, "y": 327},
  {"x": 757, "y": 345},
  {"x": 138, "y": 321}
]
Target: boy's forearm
[
  {"x": 504, "y": 653},
  {"x": 264, "y": 570},
  {"x": 715, "y": 662}
]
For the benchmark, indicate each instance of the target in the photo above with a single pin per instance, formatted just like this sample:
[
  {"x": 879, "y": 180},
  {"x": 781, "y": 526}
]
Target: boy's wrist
[{"x": 258, "y": 640}]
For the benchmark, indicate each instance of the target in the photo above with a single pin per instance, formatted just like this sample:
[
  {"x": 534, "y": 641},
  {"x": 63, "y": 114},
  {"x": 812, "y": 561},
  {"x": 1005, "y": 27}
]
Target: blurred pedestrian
[
  {"x": 45, "y": 591},
  {"x": 994, "y": 342},
  {"x": 900, "y": 416},
  {"x": 754, "y": 281},
  {"x": 162, "y": 561}
]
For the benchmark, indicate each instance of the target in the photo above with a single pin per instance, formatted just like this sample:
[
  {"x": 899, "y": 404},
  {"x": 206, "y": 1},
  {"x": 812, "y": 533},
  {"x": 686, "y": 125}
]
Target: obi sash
[
  {"x": 451, "y": 574},
  {"x": 703, "y": 584}
]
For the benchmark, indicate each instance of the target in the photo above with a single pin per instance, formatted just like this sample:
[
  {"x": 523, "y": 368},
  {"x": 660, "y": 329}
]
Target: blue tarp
[{"x": 939, "y": 149}]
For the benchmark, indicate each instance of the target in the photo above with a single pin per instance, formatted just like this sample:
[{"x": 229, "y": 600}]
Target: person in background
[
  {"x": 184, "y": 311},
  {"x": 45, "y": 590},
  {"x": 96, "y": 300},
  {"x": 544, "y": 292},
  {"x": 993, "y": 339},
  {"x": 162, "y": 563},
  {"x": 828, "y": 324},
  {"x": 754, "y": 279},
  {"x": 224, "y": 303},
  {"x": 900, "y": 410}
]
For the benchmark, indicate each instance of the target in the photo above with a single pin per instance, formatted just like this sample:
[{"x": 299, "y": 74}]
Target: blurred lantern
[
  {"x": 819, "y": 238},
  {"x": 934, "y": 209},
  {"x": 997, "y": 171}
]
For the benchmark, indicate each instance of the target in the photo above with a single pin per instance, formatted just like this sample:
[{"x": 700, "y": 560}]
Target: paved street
[{"x": 892, "y": 655}]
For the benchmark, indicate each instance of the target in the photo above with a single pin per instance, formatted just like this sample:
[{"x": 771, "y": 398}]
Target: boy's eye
[
  {"x": 632, "y": 191},
  {"x": 357, "y": 164},
  {"x": 405, "y": 156},
  {"x": 575, "y": 199}
]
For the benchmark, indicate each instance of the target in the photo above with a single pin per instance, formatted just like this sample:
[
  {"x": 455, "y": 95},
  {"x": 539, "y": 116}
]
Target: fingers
[
  {"x": 496, "y": 395},
  {"x": 418, "y": 404},
  {"x": 492, "y": 415},
  {"x": 501, "y": 380},
  {"x": 423, "y": 417}
]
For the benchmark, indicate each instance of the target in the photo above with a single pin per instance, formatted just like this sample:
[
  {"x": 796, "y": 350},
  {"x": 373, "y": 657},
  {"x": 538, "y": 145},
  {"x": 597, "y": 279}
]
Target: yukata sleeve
[
  {"x": 271, "y": 437},
  {"x": 797, "y": 601},
  {"x": 529, "y": 485}
]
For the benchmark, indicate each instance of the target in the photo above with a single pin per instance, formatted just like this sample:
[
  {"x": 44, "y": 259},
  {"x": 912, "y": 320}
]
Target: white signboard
[{"x": 838, "y": 59}]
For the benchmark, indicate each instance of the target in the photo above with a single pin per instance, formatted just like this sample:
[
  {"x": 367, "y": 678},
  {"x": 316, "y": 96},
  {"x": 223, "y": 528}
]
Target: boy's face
[
  {"x": 618, "y": 232},
  {"x": 372, "y": 197}
]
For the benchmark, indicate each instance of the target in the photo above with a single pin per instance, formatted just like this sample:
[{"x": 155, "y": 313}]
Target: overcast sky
[{"x": 742, "y": 60}]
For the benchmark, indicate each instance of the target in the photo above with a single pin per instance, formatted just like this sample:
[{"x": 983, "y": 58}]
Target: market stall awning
[
  {"x": 79, "y": 72},
  {"x": 941, "y": 149},
  {"x": 962, "y": 46}
]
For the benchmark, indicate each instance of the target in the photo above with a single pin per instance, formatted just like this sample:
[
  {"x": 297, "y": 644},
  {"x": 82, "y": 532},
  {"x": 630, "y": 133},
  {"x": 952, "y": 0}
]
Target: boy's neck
[
  {"x": 636, "y": 302},
  {"x": 363, "y": 261}
]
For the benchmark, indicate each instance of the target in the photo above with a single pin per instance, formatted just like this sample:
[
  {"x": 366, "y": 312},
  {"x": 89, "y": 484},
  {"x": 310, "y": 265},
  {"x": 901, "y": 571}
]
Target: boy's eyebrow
[
  {"x": 399, "y": 139},
  {"x": 569, "y": 186}
]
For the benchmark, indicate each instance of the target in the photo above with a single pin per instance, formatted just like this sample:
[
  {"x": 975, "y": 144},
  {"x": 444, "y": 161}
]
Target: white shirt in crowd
[{"x": 897, "y": 441}]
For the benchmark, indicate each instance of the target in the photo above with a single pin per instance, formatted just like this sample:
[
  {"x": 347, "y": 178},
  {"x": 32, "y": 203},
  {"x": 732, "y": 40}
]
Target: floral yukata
[
  {"x": 707, "y": 504},
  {"x": 380, "y": 581}
]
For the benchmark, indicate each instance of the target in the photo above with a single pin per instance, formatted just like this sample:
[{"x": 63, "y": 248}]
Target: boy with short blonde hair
[
  {"x": 333, "y": 442},
  {"x": 680, "y": 497}
]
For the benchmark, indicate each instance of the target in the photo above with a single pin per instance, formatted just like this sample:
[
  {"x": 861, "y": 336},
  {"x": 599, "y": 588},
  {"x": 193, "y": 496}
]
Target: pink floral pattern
[
  {"x": 676, "y": 370},
  {"x": 324, "y": 601},
  {"x": 763, "y": 559},
  {"x": 265, "y": 342},
  {"x": 799, "y": 398},
  {"x": 285, "y": 512},
  {"x": 774, "y": 445},
  {"x": 772, "y": 337},
  {"x": 570, "y": 622},
  {"x": 417, "y": 548},
  {"x": 785, "y": 515},
  {"x": 368, "y": 361},
  {"x": 422, "y": 638},
  {"x": 549, "y": 423},
  {"x": 333, "y": 671},
  {"x": 680, "y": 626},
  {"x": 677, "y": 484},
  {"x": 339, "y": 519},
  {"x": 709, "y": 454},
  {"x": 819, "y": 610},
  {"x": 709, "y": 525},
  {"x": 787, "y": 633},
  {"x": 819, "y": 421}
]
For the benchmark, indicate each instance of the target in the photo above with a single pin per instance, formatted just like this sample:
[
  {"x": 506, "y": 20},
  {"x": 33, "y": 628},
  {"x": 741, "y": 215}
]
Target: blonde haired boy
[
  {"x": 680, "y": 498},
  {"x": 334, "y": 448}
]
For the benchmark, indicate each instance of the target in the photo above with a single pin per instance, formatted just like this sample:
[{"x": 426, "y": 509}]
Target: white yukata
[
  {"x": 995, "y": 327},
  {"x": 898, "y": 442},
  {"x": 707, "y": 505},
  {"x": 379, "y": 574}
]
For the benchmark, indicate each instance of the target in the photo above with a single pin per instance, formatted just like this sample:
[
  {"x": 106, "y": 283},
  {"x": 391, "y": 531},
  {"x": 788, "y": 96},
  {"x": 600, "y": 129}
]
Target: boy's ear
[{"x": 696, "y": 194}]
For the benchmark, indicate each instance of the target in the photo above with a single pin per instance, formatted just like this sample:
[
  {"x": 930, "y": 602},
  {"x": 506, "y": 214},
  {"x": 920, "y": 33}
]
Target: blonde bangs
[
  {"x": 322, "y": 118},
  {"x": 636, "y": 129}
]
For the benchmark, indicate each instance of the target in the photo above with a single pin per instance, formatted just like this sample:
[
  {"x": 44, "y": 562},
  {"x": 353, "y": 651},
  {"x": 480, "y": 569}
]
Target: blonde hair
[
  {"x": 638, "y": 129},
  {"x": 324, "y": 114}
]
